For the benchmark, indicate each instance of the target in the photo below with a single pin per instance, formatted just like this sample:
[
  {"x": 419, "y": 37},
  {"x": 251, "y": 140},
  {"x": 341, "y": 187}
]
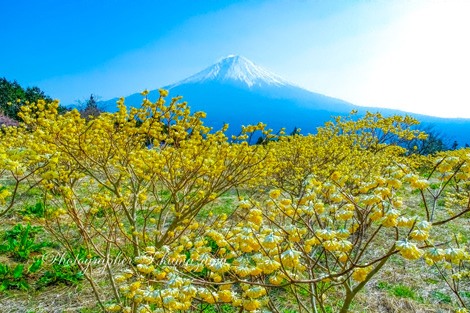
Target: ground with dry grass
[{"x": 400, "y": 287}]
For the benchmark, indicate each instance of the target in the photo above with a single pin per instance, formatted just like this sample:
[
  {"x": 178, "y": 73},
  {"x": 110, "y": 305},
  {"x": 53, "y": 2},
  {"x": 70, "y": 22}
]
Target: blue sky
[{"x": 406, "y": 54}]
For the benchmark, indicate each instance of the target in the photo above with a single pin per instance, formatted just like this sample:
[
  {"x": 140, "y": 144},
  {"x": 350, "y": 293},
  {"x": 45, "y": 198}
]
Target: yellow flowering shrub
[
  {"x": 130, "y": 179},
  {"x": 316, "y": 215},
  {"x": 289, "y": 241}
]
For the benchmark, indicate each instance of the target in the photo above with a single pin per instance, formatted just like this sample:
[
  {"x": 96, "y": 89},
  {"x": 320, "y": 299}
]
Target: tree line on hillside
[{"x": 13, "y": 96}]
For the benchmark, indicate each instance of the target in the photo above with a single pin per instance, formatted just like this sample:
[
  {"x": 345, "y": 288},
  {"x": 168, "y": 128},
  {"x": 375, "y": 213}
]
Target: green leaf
[
  {"x": 4, "y": 248},
  {"x": 35, "y": 266},
  {"x": 25, "y": 235},
  {"x": 4, "y": 286},
  {"x": 18, "y": 271},
  {"x": 23, "y": 285},
  {"x": 4, "y": 270}
]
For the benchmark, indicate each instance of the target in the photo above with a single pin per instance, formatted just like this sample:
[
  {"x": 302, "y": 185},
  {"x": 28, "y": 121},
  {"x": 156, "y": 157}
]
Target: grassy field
[{"x": 401, "y": 286}]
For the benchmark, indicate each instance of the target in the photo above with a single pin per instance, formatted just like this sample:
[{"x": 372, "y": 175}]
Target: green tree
[
  {"x": 90, "y": 108},
  {"x": 13, "y": 96}
]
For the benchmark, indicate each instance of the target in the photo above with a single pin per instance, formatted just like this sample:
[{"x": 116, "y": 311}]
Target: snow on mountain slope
[
  {"x": 235, "y": 69},
  {"x": 238, "y": 92}
]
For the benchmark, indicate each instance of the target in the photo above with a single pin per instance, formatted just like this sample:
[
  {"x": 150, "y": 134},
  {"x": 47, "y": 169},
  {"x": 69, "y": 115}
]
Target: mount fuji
[
  {"x": 236, "y": 69},
  {"x": 238, "y": 92}
]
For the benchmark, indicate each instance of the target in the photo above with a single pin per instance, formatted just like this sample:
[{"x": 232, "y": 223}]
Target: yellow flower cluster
[
  {"x": 360, "y": 273},
  {"x": 311, "y": 208},
  {"x": 409, "y": 250}
]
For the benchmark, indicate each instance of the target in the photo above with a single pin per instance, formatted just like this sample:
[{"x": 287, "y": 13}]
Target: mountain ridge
[{"x": 238, "y": 92}]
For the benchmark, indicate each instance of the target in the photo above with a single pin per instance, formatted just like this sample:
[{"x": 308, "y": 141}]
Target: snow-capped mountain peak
[{"x": 236, "y": 69}]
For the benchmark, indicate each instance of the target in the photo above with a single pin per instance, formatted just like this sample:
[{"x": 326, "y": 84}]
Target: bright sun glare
[{"x": 426, "y": 66}]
